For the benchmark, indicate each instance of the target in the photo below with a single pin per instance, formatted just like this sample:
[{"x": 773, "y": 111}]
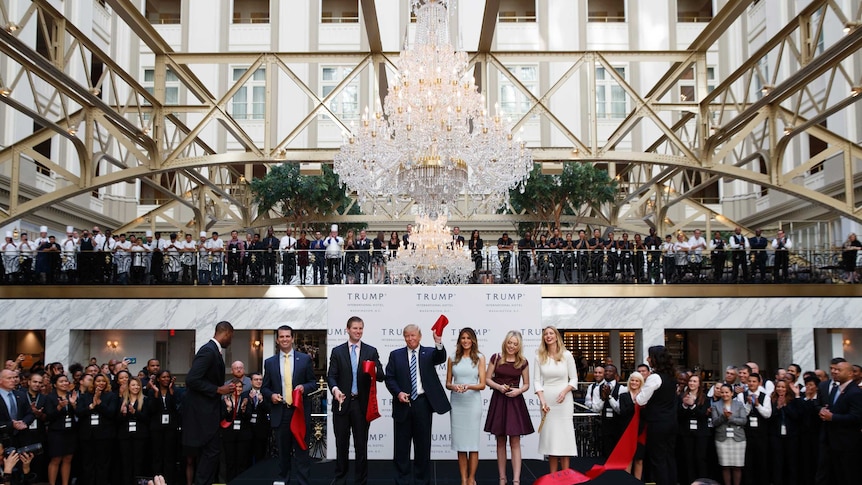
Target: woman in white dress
[{"x": 556, "y": 376}]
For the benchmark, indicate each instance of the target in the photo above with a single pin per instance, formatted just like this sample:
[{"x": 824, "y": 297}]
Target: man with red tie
[
  {"x": 351, "y": 383},
  {"x": 289, "y": 377}
]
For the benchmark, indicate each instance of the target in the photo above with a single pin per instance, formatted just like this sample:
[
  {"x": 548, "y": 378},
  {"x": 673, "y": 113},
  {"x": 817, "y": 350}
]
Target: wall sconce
[
  {"x": 113, "y": 344},
  {"x": 854, "y": 91},
  {"x": 850, "y": 26},
  {"x": 847, "y": 342},
  {"x": 766, "y": 89},
  {"x": 256, "y": 344},
  {"x": 15, "y": 233}
]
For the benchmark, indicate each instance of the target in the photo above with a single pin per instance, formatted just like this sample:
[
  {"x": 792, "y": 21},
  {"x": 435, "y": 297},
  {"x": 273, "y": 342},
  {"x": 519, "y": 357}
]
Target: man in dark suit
[
  {"x": 202, "y": 404},
  {"x": 260, "y": 426},
  {"x": 15, "y": 412},
  {"x": 840, "y": 439},
  {"x": 283, "y": 373},
  {"x": 351, "y": 386},
  {"x": 412, "y": 379}
]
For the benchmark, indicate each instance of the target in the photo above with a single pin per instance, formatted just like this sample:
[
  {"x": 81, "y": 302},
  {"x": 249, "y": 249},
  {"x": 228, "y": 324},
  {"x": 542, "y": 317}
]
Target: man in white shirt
[
  {"x": 668, "y": 262},
  {"x": 759, "y": 407},
  {"x": 606, "y": 404},
  {"x": 680, "y": 252},
  {"x": 767, "y": 385},
  {"x": 593, "y": 388},
  {"x": 122, "y": 259},
  {"x": 333, "y": 244},
  {"x": 215, "y": 254},
  {"x": 69, "y": 264},
  {"x": 10, "y": 258},
  {"x": 203, "y": 260},
  {"x": 287, "y": 246},
  {"x": 738, "y": 245},
  {"x": 188, "y": 258},
  {"x": 696, "y": 246},
  {"x": 781, "y": 245},
  {"x": 27, "y": 251}
]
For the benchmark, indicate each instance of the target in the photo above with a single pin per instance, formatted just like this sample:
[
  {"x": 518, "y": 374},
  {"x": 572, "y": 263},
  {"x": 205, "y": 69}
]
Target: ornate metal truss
[{"x": 117, "y": 131}]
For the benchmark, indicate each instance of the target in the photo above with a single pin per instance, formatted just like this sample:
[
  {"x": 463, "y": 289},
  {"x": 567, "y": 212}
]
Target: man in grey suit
[
  {"x": 202, "y": 404},
  {"x": 285, "y": 372},
  {"x": 351, "y": 390}
]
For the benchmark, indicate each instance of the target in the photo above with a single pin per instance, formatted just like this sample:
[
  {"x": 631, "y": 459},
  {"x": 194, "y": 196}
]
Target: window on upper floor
[
  {"x": 513, "y": 102},
  {"x": 172, "y": 87},
  {"x": 606, "y": 11},
  {"x": 251, "y": 11},
  {"x": 693, "y": 10},
  {"x": 339, "y": 11},
  {"x": 43, "y": 149},
  {"x": 345, "y": 105},
  {"x": 611, "y": 98},
  {"x": 163, "y": 11},
  {"x": 249, "y": 102},
  {"x": 687, "y": 84},
  {"x": 517, "y": 11}
]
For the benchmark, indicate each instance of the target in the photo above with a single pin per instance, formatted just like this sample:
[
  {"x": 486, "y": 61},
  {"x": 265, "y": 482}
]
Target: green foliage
[
  {"x": 304, "y": 198},
  {"x": 575, "y": 192}
]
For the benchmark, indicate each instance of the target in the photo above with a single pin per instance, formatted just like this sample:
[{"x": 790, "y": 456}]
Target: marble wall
[{"x": 797, "y": 318}]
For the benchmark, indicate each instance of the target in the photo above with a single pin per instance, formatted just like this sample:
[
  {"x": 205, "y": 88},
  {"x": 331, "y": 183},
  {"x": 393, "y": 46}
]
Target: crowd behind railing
[{"x": 90, "y": 257}]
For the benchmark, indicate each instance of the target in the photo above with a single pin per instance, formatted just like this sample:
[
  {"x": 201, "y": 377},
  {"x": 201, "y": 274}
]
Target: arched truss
[{"x": 733, "y": 132}]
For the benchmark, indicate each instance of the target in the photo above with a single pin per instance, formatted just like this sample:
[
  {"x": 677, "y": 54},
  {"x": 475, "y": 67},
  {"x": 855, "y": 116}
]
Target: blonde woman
[
  {"x": 133, "y": 431},
  {"x": 465, "y": 377},
  {"x": 555, "y": 377},
  {"x": 628, "y": 401},
  {"x": 508, "y": 375}
]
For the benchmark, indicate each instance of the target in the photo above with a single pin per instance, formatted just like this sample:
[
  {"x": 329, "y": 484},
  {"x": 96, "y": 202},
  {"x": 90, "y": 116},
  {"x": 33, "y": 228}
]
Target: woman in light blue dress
[{"x": 465, "y": 377}]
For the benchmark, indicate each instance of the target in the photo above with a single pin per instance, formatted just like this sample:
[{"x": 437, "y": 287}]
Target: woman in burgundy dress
[
  {"x": 509, "y": 377},
  {"x": 302, "y": 245}
]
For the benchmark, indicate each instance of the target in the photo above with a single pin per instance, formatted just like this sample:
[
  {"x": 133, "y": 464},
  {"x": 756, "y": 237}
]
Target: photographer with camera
[{"x": 10, "y": 473}]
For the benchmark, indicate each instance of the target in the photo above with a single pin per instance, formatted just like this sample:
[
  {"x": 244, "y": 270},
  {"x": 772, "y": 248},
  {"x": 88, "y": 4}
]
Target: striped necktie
[{"x": 414, "y": 392}]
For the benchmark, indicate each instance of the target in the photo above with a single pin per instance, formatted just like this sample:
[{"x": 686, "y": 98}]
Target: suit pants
[
  {"x": 342, "y": 424},
  {"x": 661, "y": 455},
  {"x": 208, "y": 460},
  {"x": 289, "y": 451},
  {"x": 415, "y": 429},
  {"x": 837, "y": 465}
]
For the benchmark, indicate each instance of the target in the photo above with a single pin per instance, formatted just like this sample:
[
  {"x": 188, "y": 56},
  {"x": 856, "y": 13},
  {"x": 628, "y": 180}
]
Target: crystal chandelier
[
  {"x": 432, "y": 258},
  {"x": 434, "y": 138}
]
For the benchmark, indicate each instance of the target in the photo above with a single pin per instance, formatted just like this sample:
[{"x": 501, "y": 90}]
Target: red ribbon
[
  {"x": 297, "y": 422},
  {"x": 439, "y": 325},
  {"x": 373, "y": 412},
  {"x": 620, "y": 458}
]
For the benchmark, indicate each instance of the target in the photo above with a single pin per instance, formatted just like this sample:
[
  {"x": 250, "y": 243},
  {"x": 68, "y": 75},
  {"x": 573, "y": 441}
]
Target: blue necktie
[
  {"x": 13, "y": 406},
  {"x": 414, "y": 392},
  {"x": 354, "y": 364},
  {"x": 834, "y": 393}
]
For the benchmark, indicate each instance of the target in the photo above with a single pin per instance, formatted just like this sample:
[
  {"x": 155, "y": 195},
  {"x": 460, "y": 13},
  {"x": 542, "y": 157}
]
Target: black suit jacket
[
  {"x": 25, "y": 413},
  {"x": 341, "y": 375},
  {"x": 843, "y": 431},
  {"x": 202, "y": 403},
  {"x": 398, "y": 379},
  {"x": 303, "y": 373},
  {"x": 106, "y": 411}
]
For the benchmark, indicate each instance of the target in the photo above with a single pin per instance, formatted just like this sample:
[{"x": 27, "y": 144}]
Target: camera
[
  {"x": 142, "y": 480},
  {"x": 35, "y": 449}
]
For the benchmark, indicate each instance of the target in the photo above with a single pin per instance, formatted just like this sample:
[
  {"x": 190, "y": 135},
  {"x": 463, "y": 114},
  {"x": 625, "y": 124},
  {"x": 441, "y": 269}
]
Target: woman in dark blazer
[
  {"x": 729, "y": 418},
  {"x": 475, "y": 246},
  {"x": 164, "y": 416},
  {"x": 97, "y": 414},
  {"x": 62, "y": 429},
  {"x": 783, "y": 427},
  {"x": 236, "y": 431},
  {"x": 694, "y": 431},
  {"x": 133, "y": 435}
]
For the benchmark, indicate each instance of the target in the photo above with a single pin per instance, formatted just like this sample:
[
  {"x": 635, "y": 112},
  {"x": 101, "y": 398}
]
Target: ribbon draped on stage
[{"x": 619, "y": 459}]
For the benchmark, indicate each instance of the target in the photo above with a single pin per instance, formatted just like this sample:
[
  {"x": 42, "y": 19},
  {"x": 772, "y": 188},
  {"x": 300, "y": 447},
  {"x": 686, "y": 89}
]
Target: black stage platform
[{"x": 443, "y": 473}]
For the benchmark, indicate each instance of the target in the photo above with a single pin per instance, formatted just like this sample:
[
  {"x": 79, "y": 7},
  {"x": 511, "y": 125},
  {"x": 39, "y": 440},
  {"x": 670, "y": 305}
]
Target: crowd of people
[
  {"x": 309, "y": 257},
  {"x": 800, "y": 428},
  {"x": 106, "y": 425}
]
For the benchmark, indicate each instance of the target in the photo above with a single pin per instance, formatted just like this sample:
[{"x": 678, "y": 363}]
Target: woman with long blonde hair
[
  {"x": 556, "y": 375},
  {"x": 508, "y": 375},
  {"x": 465, "y": 377},
  {"x": 133, "y": 431}
]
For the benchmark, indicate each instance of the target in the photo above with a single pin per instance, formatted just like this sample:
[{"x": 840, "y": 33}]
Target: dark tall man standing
[
  {"x": 351, "y": 390},
  {"x": 417, "y": 393},
  {"x": 287, "y": 371},
  {"x": 841, "y": 413},
  {"x": 202, "y": 404}
]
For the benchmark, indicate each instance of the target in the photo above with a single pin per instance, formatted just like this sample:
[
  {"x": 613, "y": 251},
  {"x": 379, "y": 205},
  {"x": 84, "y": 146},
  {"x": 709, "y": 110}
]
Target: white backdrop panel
[{"x": 491, "y": 311}]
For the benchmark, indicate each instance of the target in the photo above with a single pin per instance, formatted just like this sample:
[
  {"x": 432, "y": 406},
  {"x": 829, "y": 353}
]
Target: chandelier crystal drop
[
  {"x": 434, "y": 138},
  {"x": 431, "y": 258}
]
